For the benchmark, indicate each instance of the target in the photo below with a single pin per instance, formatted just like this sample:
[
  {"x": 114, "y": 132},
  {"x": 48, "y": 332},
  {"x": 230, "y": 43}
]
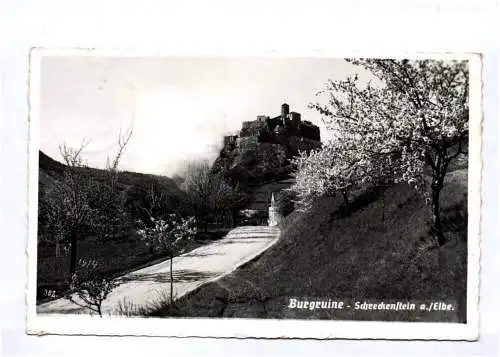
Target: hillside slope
[
  {"x": 324, "y": 254},
  {"x": 135, "y": 184}
]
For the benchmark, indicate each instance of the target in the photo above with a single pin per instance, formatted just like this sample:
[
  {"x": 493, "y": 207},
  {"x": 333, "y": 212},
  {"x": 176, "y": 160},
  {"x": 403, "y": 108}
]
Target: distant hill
[
  {"x": 49, "y": 169},
  {"x": 325, "y": 254},
  {"x": 136, "y": 185}
]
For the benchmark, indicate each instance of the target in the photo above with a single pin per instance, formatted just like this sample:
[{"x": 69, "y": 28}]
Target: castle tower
[{"x": 285, "y": 109}]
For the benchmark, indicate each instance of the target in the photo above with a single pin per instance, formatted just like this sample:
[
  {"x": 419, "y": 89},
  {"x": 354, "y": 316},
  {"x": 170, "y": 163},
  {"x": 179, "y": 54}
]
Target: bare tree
[
  {"x": 155, "y": 201},
  {"x": 123, "y": 140},
  {"x": 208, "y": 194},
  {"x": 79, "y": 204}
]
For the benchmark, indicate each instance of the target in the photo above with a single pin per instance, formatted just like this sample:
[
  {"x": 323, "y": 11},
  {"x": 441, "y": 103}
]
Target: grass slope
[{"x": 327, "y": 255}]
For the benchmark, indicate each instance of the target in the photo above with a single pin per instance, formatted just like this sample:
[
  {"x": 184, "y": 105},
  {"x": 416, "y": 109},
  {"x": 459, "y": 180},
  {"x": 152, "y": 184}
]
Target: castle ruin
[
  {"x": 259, "y": 158},
  {"x": 287, "y": 129}
]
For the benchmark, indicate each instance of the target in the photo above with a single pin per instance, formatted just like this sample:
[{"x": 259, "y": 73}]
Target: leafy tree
[
  {"x": 166, "y": 235},
  {"x": 416, "y": 113}
]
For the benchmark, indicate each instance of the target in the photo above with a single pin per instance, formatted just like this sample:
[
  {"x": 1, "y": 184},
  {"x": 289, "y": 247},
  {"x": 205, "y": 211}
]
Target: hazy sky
[{"x": 179, "y": 108}]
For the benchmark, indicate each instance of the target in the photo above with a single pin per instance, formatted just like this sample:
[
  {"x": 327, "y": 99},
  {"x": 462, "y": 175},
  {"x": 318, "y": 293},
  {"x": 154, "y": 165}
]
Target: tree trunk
[
  {"x": 205, "y": 226},
  {"x": 171, "y": 281},
  {"x": 58, "y": 249},
  {"x": 437, "y": 186},
  {"x": 346, "y": 200},
  {"x": 383, "y": 205},
  {"x": 73, "y": 254},
  {"x": 234, "y": 221}
]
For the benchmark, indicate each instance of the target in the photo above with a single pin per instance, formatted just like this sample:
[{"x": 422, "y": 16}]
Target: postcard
[{"x": 269, "y": 196}]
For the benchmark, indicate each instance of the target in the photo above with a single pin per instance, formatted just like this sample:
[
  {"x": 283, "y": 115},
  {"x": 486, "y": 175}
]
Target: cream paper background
[{"x": 287, "y": 27}]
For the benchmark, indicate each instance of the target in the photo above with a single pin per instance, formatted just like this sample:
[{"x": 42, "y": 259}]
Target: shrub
[{"x": 90, "y": 286}]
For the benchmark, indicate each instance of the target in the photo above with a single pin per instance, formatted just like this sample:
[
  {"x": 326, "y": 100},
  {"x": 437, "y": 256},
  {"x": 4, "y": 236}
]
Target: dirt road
[{"x": 190, "y": 270}]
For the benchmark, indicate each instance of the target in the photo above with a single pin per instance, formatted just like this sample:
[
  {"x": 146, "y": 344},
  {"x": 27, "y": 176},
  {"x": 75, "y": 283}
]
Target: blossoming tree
[
  {"x": 412, "y": 115},
  {"x": 90, "y": 286},
  {"x": 166, "y": 235},
  {"x": 330, "y": 170}
]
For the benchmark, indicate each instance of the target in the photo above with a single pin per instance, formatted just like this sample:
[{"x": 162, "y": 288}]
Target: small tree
[
  {"x": 91, "y": 287},
  {"x": 167, "y": 235},
  {"x": 66, "y": 203}
]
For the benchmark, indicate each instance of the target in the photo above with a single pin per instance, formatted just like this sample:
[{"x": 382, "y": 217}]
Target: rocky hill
[
  {"x": 262, "y": 150},
  {"x": 261, "y": 153}
]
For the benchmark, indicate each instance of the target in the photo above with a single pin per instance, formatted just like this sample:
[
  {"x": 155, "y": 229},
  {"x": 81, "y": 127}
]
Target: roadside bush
[{"x": 90, "y": 286}]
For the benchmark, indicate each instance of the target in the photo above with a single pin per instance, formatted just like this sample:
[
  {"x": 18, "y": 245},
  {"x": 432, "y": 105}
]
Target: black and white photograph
[{"x": 265, "y": 196}]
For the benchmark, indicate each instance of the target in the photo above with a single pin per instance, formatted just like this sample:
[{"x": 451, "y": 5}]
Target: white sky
[{"x": 182, "y": 106}]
